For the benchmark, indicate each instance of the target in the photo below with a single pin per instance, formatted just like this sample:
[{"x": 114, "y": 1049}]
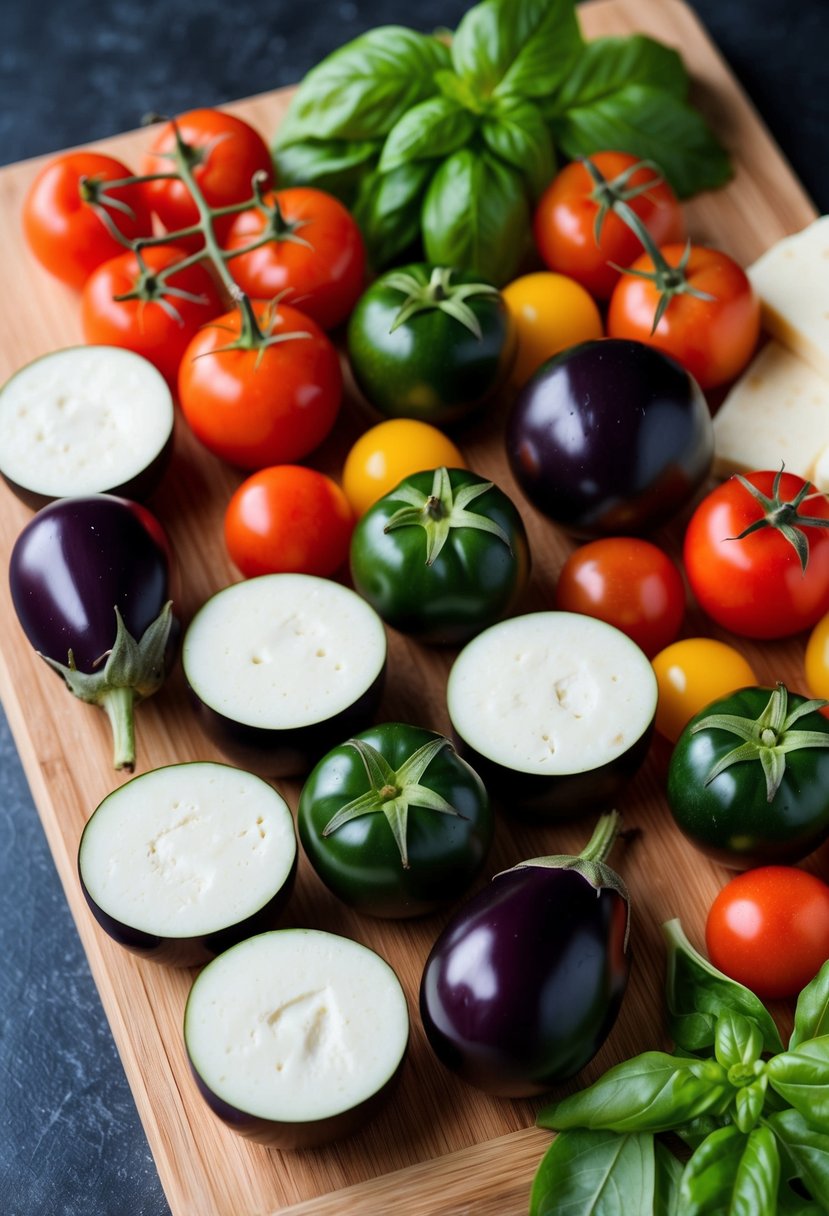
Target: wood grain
[{"x": 440, "y": 1148}]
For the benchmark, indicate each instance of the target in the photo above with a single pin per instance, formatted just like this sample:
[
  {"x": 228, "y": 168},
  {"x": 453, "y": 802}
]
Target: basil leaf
[
  {"x": 523, "y": 47},
  {"x": 476, "y": 216},
  {"x": 697, "y": 1130},
  {"x": 519, "y": 135},
  {"x": 363, "y": 88},
  {"x": 790, "y": 1203},
  {"x": 737, "y": 1039},
  {"x": 808, "y": 1149},
  {"x": 332, "y": 165},
  {"x": 801, "y": 1077},
  {"x": 387, "y": 209},
  {"x": 606, "y": 65},
  {"x": 811, "y": 1017},
  {"x": 588, "y": 1173},
  {"x": 668, "y": 1181},
  {"x": 697, "y": 993},
  {"x": 434, "y": 128},
  {"x": 732, "y": 1175},
  {"x": 748, "y": 1104}
]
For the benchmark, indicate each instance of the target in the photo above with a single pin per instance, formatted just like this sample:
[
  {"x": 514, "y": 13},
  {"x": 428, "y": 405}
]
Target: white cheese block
[{"x": 792, "y": 281}]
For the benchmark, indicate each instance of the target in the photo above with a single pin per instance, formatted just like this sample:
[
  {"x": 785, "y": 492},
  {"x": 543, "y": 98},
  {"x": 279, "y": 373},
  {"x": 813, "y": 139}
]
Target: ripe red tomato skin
[
  {"x": 324, "y": 281},
  {"x": 768, "y": 928},
  {"x": 713, "y": 339},
  {"x": 754, "y": 586},
  {"x": 63, "y": 232},
  {"x": 563, "y": 225}
]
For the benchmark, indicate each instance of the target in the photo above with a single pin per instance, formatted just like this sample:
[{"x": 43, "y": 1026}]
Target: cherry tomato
[
  {"x": 387, "y": 453},
  {"x": 159, "y": 323},
  {"x": 226, "y": 152},
  {"x": 629, "y": 583},
  {"x": 65, "y": 234},
  {"x": 565, "y": 221},
  {"x": 769, "y": 929},
  {"x": 713, "y": 338},
  {"x": 755, "y": 586},
  {"x": 258, "y": 407},
  {"x": 692, "y": 673},
  {"x": 316, "y": 254},
  {"x": 816, "y": 661},
  {"x": 288, "y": 519},
  {"x": 550, "y": 313}
]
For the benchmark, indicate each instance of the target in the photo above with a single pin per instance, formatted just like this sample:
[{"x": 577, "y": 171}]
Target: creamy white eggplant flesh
[
  {"x": 283, "y": 667},
  {"x": 184, "y": 861},
  {"x": 296, "y": 1037},
  {"x": 85, "y": 420},
  {"x": 555, "y": 710}
]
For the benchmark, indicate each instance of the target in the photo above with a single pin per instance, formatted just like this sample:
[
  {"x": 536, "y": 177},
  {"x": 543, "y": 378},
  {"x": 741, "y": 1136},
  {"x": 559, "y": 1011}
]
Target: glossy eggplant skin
[
  {"x": 525, "y": 982},
  {"x": 610, "y": 437}
]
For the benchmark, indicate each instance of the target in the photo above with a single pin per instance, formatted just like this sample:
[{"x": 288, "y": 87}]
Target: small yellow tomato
[
  {"x": 692, "y": 673},
  {"x": 816, "y": 660},
  {"x": 390, "y": 451},
  {"x": 550, "y": 312}
]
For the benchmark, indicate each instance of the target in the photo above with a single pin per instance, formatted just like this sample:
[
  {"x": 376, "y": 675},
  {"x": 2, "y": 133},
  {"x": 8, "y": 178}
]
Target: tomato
[
  {"x": 713, "y": 338},
  {"x": 629, "y": 583},
  {"x": 816, "y": 660},
  {"x": 288, "y": 520},
  {"x": 692, "y": 673},
  {"x": 64, "y": 233},
  {"x": 769, "y": 929},
  {"x": 550, "y": 313},
  {"x": 225, "y": 154},
  {"x": 260, "y": 406},
  {"x": 158, "y": 323},
  {"x": 316, "y": 254},
  {"x": 754, "y": 584},
  {"x": 564, "y": 225},
  {"x": 387, "y": 453}
]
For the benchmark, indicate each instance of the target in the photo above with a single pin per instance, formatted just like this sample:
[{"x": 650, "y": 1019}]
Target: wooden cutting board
[{"x": 441, "y": 1148}]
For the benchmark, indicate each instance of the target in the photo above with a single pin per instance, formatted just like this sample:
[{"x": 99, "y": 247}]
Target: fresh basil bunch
[
  {"x": 755, "y": 1115},
  {"x": 452, "y": 143}
]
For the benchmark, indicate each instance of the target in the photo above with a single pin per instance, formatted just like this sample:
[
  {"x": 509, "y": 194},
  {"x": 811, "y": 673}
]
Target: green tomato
[
  {"x": 442, "y": 556},
  {"x": 430, "y": 342},
  {"x": 748, "y": 781},
  {"x": 394, "y": 822}
]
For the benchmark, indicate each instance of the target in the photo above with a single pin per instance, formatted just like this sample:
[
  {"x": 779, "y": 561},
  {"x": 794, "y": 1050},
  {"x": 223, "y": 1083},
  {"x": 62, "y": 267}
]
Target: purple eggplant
[
  {"x": 524, "y": 984},
  {"x": 90, "y": 583},
  {"x": 610, "y": 437}
]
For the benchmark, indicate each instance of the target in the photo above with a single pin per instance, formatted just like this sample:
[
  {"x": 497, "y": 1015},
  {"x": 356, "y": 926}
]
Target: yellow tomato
[
  {"x": 551, "y": 312},
  {"x": 692, "y": 673},
  {"x": 390, "y": 451},
  {"x": 816, "y": 659}
]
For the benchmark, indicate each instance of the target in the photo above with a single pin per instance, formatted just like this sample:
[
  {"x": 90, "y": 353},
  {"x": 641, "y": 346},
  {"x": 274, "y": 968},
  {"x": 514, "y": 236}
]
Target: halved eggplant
[
  {"x": 283, "y": 667},
  {"x": 296, "y": 1037},
  {"x": 85, "y": 420},
  {"x": 184, "y": 861},
  {"x": 555, "y": 710}
]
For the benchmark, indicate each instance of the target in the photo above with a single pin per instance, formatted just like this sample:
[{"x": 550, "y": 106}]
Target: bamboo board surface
[{"x": 440, "y": 1148}]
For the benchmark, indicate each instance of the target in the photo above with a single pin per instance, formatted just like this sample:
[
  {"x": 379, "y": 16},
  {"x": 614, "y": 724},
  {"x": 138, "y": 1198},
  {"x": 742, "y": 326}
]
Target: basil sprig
[
  {"x": 755, "y": 1116},
  {"x": 449, "y": 145}
]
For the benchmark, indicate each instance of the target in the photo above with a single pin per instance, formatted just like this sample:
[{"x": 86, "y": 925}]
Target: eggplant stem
[
  {"x": 604, "y": 835},
  {"x": 118, "y": 704}
]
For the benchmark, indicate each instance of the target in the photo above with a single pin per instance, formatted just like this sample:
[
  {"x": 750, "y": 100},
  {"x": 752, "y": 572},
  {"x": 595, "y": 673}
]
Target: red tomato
[
  {"x": 565, "y": 222},
  {"x": 288, "y": 519},
  {"x": 65, "y": 234},
  {"x": 260, "y": 406},
  {"x": 226, "y": 154},
  {"x": 159, "y": 324},
  {"x": 629, "y": 583},
  {"x": 713, "y": 339},
  {"x": 316, "y": 254},
  {"x": 755, "y": 586},
  {"x": 769, "y": 929}
]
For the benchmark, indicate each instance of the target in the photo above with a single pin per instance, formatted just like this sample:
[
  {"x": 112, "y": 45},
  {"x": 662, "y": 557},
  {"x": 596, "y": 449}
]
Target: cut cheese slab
[{"x": 792, "y": 281}]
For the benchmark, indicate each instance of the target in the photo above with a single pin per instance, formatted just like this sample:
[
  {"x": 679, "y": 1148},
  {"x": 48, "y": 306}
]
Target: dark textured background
[{"x": 70, "y": 1140}]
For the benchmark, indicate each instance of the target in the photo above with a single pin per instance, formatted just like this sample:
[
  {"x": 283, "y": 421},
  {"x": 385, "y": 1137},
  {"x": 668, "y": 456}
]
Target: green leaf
[
  {"x": 435, "y": 128},
  {"x": 807, "y": 1148},
  {"x": 748, "y": 1104},
  {"x": 606, "y": 65},
  {"x": 335, "y": 165},
  {"x": 811, "y": 1018},
  {"x": 668, "y": 1182},
  {"x": 697, "y": 1130},
  {"x": 518, "y": 134},
  {"x": 652, "y": 124},
  {"x": 522, "y": 47},
  {"x": 387, "y": 209},
  {"x": 801, "y": 1077},
  {"x": 586, "y": 1173},
  {"x": 737, "y": 1039},
  {"x": 731, "y": 1174},
  {"x": 361, "y": 90},
  {"x": 476, "y": 216}
]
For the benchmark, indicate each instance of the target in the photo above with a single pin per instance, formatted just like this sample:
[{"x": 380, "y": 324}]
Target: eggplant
[
  {"x": 85, "y": 420},
  {"x": 185, "y": 861},
  {"x": 610, "y": 437},
  {"x": 524, "y": 984},
  {"x": 283, "y": 667},
  {"x": 296, "y": 1037},
  {"x": 90, "y": 583}
]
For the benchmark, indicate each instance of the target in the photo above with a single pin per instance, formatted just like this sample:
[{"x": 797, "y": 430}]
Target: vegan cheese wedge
[{"x": 792, "y": 281}]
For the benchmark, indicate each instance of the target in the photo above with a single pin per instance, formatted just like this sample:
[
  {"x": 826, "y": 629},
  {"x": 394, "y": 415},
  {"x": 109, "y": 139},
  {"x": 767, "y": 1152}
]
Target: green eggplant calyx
[
  {"x": 767, "y": 738},
  {"x": 782, "y": 514},
  {"x": 442, "y": 510},
  {"x": 438, "y": 292},
  {"x": 394, "y": 792}
]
